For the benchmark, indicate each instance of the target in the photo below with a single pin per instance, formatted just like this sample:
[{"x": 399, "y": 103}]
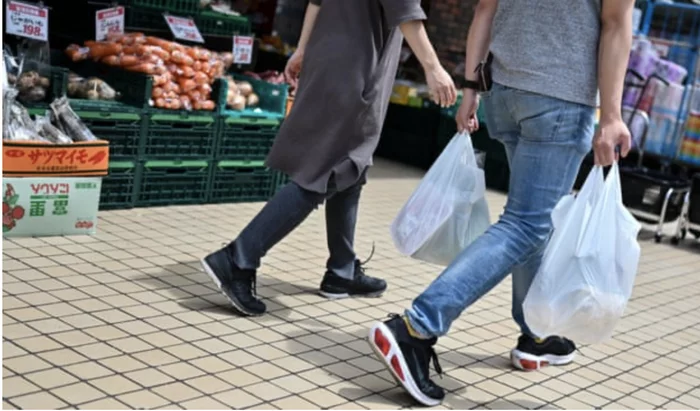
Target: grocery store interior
[{"x": 128, "y": 157}]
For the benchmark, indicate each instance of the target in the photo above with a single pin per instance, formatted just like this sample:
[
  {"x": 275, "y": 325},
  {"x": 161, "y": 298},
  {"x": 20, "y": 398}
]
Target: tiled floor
[{"x": 126, "y": 319}]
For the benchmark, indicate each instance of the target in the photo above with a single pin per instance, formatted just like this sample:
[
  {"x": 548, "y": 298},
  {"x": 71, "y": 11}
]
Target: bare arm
[
  {"x": 613, "y": 55},
  {"x": 613, "y": 52},
  {"x": 442, "y": 88},
  {"x": 478, "y": 42},
  {"x": 309, "y": 21},
  {"x": 417, "y": 39},
  {"x": 479, "y": 37}
]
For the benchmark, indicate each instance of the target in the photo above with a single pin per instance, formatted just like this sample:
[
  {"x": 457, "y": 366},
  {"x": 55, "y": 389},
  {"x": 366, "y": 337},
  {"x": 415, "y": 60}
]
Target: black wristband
[{"x": 474, "y": 85}]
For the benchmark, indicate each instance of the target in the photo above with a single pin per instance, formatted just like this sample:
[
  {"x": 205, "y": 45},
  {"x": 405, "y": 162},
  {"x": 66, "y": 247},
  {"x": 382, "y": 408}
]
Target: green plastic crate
[
  {"x": 211, "y": 22},
  {"x": 180, "y": 135},
  {"x": 119, "y": 187},
  {"x": 141, "y": 20},
  {"x": 173, "y": 182},
  {"x": 208, "y": 23},
  {"x": 182, "y": 7},
  {"x": 273, "y": 100},
  {"x": 123, "y": 130},
  {"x": 281, "y": 180},
  {"x": 245, "y": 139},
  {"x": 239, "y": 182}
]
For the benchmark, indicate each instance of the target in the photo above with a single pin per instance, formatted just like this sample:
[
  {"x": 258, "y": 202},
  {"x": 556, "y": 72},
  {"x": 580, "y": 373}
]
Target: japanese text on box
[
  {"x": 27, "y": 20},
  {"x": 184, "y": 29},
  {"x": 242, "y": 49},
  {"x": 109, "y": 21}
]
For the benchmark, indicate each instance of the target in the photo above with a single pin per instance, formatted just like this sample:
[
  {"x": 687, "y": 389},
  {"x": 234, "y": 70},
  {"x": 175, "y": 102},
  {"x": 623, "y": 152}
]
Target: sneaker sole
[
  {"x": 236, "y": 305},
  {"x": 382, "y": 341},
  {"x": 528, "y": 362},
  {"x": 340, "y": 296}
]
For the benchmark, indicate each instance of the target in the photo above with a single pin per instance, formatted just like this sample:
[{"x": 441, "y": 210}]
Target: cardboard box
[
  {"x": 33, "y": 159},
  {"x": 44, "y": 206}
]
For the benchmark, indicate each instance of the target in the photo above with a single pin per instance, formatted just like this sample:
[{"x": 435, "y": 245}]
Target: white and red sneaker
[
  {"x": 407, "y": 359},
  {"x": 532, "y": 354}
]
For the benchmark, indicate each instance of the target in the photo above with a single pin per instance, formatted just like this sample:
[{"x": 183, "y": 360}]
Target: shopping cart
[
  {"x": 690, "y": 215},
  {"x": 652, "y": 196}
]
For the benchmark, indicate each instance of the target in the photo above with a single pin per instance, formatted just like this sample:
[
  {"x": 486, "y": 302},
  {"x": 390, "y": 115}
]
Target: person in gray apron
[
  {"x": 350, "y": 54},
  {"x": 549, "y": 60}
]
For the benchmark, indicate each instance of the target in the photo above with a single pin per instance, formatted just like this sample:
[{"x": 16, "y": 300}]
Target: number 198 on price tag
[{"x": 27, "y": 20}]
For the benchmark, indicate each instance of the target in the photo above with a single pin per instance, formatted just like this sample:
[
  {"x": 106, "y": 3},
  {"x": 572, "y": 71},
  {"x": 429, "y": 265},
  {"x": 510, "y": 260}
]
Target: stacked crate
[
  {"x": 244, "y": 140},
  {"x": 166, "y": 157},
  {"x": 148, "y": 14}
]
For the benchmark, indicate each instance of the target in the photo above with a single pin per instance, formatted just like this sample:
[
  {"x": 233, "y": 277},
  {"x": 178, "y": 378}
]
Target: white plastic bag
[
  {"x": 448, "y": 209},
  {"x": 588, "y": 270}
]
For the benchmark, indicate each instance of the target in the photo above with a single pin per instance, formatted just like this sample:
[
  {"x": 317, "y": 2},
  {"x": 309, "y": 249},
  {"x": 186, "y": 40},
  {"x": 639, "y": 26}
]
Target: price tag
[
  {"x": 27, "y": 20},
  {"x": 184, "y": 28},
  {"x": 242, "y": 49},
  {"x": 109, "y": 21}
]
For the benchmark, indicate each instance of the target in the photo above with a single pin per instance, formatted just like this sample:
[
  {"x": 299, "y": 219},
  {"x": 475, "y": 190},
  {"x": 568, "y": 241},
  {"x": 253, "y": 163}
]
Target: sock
[{"x": 411, "y": 331}]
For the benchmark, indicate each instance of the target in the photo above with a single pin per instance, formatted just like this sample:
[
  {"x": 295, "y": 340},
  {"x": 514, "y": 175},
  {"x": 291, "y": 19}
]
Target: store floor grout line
[{"x": 135, "y": 292}]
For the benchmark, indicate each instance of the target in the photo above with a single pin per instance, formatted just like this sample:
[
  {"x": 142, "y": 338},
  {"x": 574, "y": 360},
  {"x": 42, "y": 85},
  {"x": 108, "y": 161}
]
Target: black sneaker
[
  {"x": 334, "y": 286},
  {"x": 238, "y": 286},
  {"x": 408, "y": 359},
  {"x": 532, "y": 354}
]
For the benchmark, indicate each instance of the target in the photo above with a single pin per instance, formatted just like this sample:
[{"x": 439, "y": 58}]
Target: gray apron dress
[{"x": 346, "y": 81}]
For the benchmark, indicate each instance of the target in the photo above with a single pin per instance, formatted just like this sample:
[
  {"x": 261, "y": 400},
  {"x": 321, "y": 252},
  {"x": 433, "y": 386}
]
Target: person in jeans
[
  {"x": 549, "y": 62},
  {"x": 350, "y": 53}
]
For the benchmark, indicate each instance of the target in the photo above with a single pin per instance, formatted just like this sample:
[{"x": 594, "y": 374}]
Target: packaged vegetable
[
  {"x": 99, "y": 49},
  {"x": 70, "y": 123}
]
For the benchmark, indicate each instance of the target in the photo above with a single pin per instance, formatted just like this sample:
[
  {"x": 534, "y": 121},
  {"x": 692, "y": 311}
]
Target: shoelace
[
  {"x": 362, "y": 268},
  {"x": 423, "y": 345}
]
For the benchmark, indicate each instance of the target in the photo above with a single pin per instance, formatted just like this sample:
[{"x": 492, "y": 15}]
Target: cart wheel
[
  {"x": 657, "y": 238},
  {"x": 675, "y": 240}
]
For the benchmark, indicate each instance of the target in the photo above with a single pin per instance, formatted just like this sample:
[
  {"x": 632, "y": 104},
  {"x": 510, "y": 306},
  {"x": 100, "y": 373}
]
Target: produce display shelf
[
  {"x": 273, "y": 99},
  {"x": 173, "y": 182},
  {"x": 208, "y": 23},
  {"x": 118, "y": 188},
  {"x": 240, "y": 181},
  {"x": 58, "y": 78},
  {"x": 123, "y": 130},
  {"x": 183, "y": 7},
  {"x": 211, "y": 22},
  {"x": 180, "y": 135},
  {"x": 245, "y": 139}
]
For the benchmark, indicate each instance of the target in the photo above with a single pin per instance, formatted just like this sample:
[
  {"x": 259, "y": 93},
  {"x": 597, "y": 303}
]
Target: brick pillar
[{"x": 448, "y": 24}]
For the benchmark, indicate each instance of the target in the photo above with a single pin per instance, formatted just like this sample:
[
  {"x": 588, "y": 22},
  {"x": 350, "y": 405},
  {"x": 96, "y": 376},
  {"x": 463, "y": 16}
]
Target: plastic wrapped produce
[{"x": 70, "y": 122}]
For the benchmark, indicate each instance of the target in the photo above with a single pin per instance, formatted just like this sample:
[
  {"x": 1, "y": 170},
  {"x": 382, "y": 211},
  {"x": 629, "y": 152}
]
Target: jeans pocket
[{"x": 547, "y": 119}]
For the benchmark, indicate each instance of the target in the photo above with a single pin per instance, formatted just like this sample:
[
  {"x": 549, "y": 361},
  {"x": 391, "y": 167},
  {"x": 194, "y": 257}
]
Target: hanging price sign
[
  {"x": 242, "y": 49},
  {"x": 27, "y": 20},
  {"x": 109, "y": 21},
  {"x": 184, "y": 28}
]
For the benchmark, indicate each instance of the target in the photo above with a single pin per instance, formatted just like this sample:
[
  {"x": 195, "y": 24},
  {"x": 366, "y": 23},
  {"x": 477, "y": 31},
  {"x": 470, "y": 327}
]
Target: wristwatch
[{"x": 470, "y": 84}]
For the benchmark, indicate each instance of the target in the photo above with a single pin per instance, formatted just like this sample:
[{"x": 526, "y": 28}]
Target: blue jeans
[{"x": 546, "y": 140}]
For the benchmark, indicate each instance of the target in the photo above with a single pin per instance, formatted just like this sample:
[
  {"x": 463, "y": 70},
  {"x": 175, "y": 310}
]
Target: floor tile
[
  {"x": 18, "y": 386},
  {"x": 78, "y": 393},
  {"x": 38, "y": 401},
  {"x": 52, "y": 378},
  {"x": 130, "y": 321}
]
